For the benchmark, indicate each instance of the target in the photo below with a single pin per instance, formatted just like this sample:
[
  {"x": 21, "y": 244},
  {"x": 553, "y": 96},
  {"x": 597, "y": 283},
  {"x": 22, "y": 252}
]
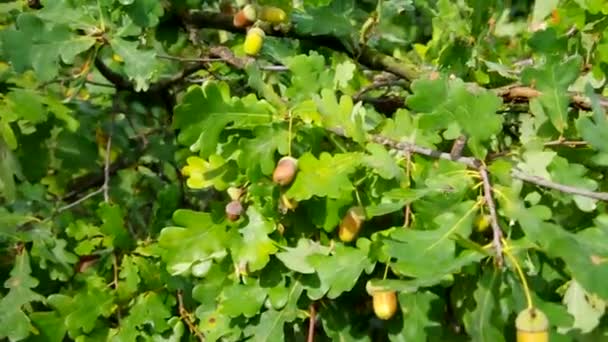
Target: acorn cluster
[{"x": 251, "y": 14}]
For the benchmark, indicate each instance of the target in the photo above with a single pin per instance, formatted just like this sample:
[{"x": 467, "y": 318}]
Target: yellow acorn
[
  {"x": 482, "y": 222},
  {"x": 253, "y": 41},
  {"x": 532, "y": 326},
  {"x": 273, "y": 15},
  {"x": 351, "y": 224},
  {"x": 286, "y": 168},
  {"x": 385, "y": 304}
]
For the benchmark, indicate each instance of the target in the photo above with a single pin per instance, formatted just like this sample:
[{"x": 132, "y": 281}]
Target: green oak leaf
[
  {"x": 552, "y": 80},
  {"x": 49, "y": 324},
  {"x": 309, "y": 74},
  {"x": 418, "y": 321},
  {"x": 405, "y": 127},
  {"x": 128, "y": 276},
  {"x": 14, "y": 322},
  {"x": 380, "y": 161},
  {"x": 344, "y": 73},
  {"x": 326, "y": 212},
  {"x": 481, "y": 322},
  {"x": 341, "y": 115},
  {"x": 428, "y": 95},
  {"x": 586, "y": 308},
  {"x": 471, "y": 111},
  {"x": 242, "y": 299},
  {"x": 192, "y": 247},
  {"x": 113, "y": 225},
  {"x": 270, "y": 327},
  {"x": 41, "y": 46},
  {"x": 323, "y": 177},
  {"x": 595, "y": 129},
  {"x": 335, "y": 19},
  {"x": 258, "y": 154},
  {"x": 574, "y": 175},
  {"x": 296, "y": 258},
  {"x": 338, "y": 324},
  {"x": 536, "y": 163},
  {"x": 81, "y": 312},
  {"x": 255, "y": 247},
  {"x": 340, "y": 270},
  {"x": 206, "y": 111},
  {"x": 139, "y": 64},
  {"x": 578, "y": 251},
  {"x": 145, "y": 13},
  {"x": 431, "y": 254}
]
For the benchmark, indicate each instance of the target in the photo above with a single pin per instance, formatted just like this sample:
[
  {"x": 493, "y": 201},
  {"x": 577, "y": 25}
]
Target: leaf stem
[
  {"x": 521, "y": 275},
  {"x": 289, "y": 133}
]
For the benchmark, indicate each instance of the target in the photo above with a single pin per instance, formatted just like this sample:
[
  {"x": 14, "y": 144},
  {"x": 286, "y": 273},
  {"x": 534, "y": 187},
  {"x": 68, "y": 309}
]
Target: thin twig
[
  {"x": 408, "y": 175},
  {"x": 115, "y": 269},
  {"x": 106, "y": 168},
  {"x": 185, "y": 316},
  {"x": 568, "y": 143},
  {"x": 377, "y": 85},
  {"x": 80, "y": 200},
  {"x": 496, "y": 231},
  {"x": 602, "y": 196},
  {"x": 190, "y": 59},
  {"x": 311, "y": 323}
]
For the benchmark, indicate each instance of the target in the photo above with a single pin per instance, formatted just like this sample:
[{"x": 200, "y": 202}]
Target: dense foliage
[{"x": 454, "y": 152}]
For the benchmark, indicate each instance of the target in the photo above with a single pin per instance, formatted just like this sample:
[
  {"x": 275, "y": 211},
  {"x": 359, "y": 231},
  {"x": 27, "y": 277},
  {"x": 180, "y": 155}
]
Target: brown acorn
[
  {"x": 532, "y": 326},
  {"x": 234, "y": 209},
  {"x": 385, "y": 304},
  {"x": 245, "y": 17},
  {"x": 285, "y": 171},
  {"x": 351, "y": 224}
]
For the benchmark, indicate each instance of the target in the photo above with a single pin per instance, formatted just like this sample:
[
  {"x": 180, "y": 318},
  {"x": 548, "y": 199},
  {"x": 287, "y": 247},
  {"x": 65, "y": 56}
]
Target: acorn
[
  {"x": 532, "y": 326},
  {"x": 254, "y": 41},
  {"x": 385, "y": 304},
  {"x": 285, "y": 171},
  {"x": 271, "y": 14},
  {"x": 482, "y": 222},
  {"x": 234, "y": 209},
  {"x": 351, "y": 224},
  {"x": 245, "y": 17}
]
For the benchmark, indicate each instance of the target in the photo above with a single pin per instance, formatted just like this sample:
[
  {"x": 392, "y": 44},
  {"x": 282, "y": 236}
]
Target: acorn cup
[
  {"x": 532, "y": 326},
  {"x": 351, "y": 224},
  {"x": 285, "y": 171},
  {"x": 234, "y": 209},
  {"x": 385, "y": 304}
]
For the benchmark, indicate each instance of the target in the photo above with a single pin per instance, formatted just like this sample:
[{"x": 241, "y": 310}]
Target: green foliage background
[{"x": 123, "y": 123}]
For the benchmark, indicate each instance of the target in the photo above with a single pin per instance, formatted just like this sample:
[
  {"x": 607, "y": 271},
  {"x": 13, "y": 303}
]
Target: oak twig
[
  {"x": 106, "y": 168},
  {"x": 185, "y": 316},
  {"x": 477, "y": 164},
  {"x": 369, "y": 57},
  {"x": 602, "y": 196},
  {"x": 80, "y": 200},
  {"x": 311, "y": 323},
  {"x": 489, "y": 201}
]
